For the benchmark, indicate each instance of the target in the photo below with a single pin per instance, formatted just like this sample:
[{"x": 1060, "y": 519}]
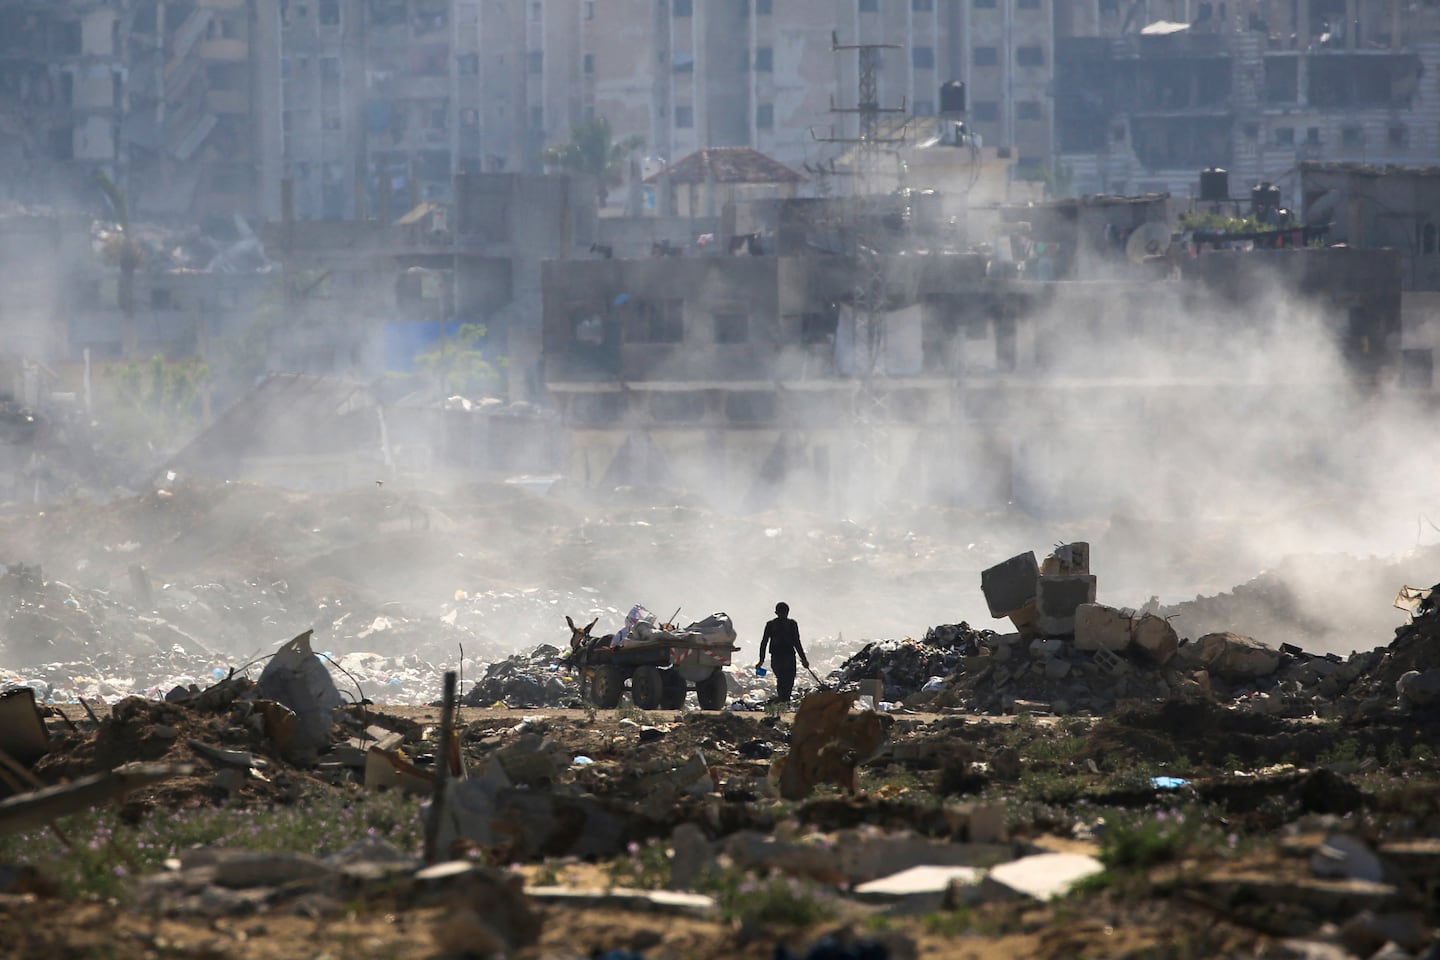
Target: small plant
[
  {"x": 645, "y": 867},
  {"x": 950, "y": 923},
  {"x": 769, "y": 901}
]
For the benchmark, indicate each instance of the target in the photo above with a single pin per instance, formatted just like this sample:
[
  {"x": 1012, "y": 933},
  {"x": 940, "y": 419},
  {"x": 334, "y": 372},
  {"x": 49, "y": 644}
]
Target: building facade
[
  {"x": 177, "y": 102},
  {"x": 1145, "y": 101}
]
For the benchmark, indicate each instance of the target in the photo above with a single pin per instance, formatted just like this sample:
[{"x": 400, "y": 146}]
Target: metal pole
[{"x": 442, "y": 769}]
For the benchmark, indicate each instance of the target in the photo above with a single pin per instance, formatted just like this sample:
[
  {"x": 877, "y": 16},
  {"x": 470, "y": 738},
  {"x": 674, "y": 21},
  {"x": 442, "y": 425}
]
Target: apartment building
[
  {"x": 178, "y": 102},
  {"x": 1144, "y": 102}
]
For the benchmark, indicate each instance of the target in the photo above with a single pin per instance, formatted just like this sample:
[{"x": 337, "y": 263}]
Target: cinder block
[
  {"x": 1026, "y": 620},
  {"x": 1068, "y": 560},
  {"x": 1009, "y": 586},
  {"x": 1098, "y": 627},
  {"x": 1058, "y": 598}
]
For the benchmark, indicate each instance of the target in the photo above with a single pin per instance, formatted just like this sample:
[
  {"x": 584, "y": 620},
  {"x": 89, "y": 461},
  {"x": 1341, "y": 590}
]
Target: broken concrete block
[
  {"x": 1056, "y": 669},
  {"x": 1057, "y": 599},
  {"x": 1232, "y": 657},
  {"x": 1098, "y": 627},
  {"x": 1069, "y": 560},
  {"x": 621, "y": 898},
  {"x": 1156, "y": 637},
  {"x": 1026, "y": 620},
  {"x": 986, "y": 823},
  {"x": 1046, "y": 647},
  {"x": 690, "y": 856},
  {"x": 1345, "y": 857},
  {"x": 22, "y": 732},
  {"x": 919, "y": 889},
  {"x": 1041, "y": 876},
  {"x": 827, "y": 743},
  {"x": 1419, "y": 689},
  {"x": 1010, "y": 585},
  {"x": 1111, "y": 663}
]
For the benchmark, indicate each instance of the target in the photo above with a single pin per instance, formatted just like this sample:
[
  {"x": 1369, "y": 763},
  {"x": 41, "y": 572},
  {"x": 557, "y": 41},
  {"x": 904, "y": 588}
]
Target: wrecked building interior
[{"x": 419, "y": 418}]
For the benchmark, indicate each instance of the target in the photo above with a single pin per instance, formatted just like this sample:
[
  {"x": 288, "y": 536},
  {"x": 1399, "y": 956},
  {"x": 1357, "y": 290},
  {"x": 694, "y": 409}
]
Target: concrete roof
[
  {"x": 1368, "y": 169},
  {"x": 728, "y": 165}
]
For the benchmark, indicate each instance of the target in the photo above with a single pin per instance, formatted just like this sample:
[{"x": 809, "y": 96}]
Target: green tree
[
  {"x": 593, "y": 149},
  {"x": 458, "y": 365}
]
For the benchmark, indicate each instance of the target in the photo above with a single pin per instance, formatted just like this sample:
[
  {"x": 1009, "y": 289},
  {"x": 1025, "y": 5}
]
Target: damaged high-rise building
[
  {"x": 1147, "y": 94},
  {"x": 178, "y": 102}
]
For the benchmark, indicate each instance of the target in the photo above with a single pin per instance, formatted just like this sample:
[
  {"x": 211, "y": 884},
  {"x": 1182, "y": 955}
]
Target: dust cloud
[{"x": 1204, "y": 448}]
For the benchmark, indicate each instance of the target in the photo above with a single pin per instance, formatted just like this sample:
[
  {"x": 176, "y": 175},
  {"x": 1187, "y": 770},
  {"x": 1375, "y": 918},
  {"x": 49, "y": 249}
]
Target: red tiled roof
[{"x": 728, "y": 165}]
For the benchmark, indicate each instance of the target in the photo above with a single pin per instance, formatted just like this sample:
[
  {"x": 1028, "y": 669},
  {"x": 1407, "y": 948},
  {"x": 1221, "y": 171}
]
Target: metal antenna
[{"x": 869, "y": 296}]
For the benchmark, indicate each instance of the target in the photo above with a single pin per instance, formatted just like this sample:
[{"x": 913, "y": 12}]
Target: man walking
[{"x": 782, "y": 635}]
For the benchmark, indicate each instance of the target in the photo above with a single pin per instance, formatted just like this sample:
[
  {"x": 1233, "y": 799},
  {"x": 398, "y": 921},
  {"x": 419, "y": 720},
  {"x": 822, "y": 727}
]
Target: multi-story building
[
  {"x": 688, "y": 74},
  {"x": 178, "y": 102},
  {"x": 1145, "y": 101}
]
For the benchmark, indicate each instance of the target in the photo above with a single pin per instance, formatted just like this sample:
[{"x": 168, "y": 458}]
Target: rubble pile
[{"x": 907, "y": 666}]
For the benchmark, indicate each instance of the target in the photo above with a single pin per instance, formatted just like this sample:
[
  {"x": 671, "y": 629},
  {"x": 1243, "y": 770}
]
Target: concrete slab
[
  {"x": 1041, "y": 876},
  {"x": 1058, "y": 598},
  {"x": 1010, "y": 585},
  {"x": 922, "y": 889},
  {"x": 622, "y": 898}
]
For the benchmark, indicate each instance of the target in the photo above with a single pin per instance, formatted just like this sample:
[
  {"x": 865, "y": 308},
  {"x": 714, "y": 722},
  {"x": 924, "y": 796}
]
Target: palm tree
[
  {"x": 125, "y": 252},
  {"x": 592, "y": 149}
]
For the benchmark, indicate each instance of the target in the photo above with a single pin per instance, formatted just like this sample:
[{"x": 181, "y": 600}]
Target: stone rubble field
[{"x": 1054, "y": 776}]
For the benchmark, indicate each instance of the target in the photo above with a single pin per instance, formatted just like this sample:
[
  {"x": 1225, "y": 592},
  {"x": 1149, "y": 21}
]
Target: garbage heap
[
  {"x": 534, "y": 679},
  {"x": 907, "y": 666}
]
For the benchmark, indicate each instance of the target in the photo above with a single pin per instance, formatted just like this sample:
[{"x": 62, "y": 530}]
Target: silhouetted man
[{"x": 782, "y": 635}]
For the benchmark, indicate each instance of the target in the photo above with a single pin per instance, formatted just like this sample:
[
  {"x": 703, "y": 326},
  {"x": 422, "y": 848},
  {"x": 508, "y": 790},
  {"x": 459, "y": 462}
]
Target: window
[
  {"x": 765, "y": 116},
  {"x": 1284, "y": 136},
  {"x": 922, "y": 6},
  {"x": 537, "y": 118},
  {"x": 987, "y": 111},
  {"x": 1029, "y": 110},
  {"x": 329, "y": 13},
  {"x": 922, "y": 58},
  {"x": 535, "y": 61},
  {"x": 1029, "y": 4},
  {"x": 467, "y": 64},
  {"x": 1399, "y": 136},
  {"x": 1428, "y": 238},
  {"x": 764, "y": 59},
  {"x": 684, "y": 117},
  {"x": 597, "y": 408},
  {"x": 1312, "y": 136},
  {"x": 750, "y": 407},
  {"x": 984, "y": 4},
  {"x": 869, "y": 6},
  {"x": 1030, "y": 56},
  {"x": 683, "y": 61},
  {"x": 986, "y": 56},
  {"x": 589, "y": 9},
  {"x": 683, "y": 8},
  {"x": 655, "y": 321},
  {"x": 818, "y": 328},
  {"x": 589, "y": 63},
  {"x": 1352, "y": 136},
  {"x": 762, "y": 8},
  {"x": 732, "y": 328},
  {"x": 924, "y": 108},
  {"x": 161, "y": 300},
  {"x": 677, "y": 407},
  {"x": 329, "y": 68},
  {"x": 536, "y": 12}
]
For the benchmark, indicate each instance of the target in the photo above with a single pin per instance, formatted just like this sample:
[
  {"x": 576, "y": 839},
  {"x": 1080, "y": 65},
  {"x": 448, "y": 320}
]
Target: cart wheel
[
  {"x": 607, "y": 686},
  {"x": 647, "y": 687},
  {"x": 711, "y": 691},
  {"x": 673, "y": 695}
]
